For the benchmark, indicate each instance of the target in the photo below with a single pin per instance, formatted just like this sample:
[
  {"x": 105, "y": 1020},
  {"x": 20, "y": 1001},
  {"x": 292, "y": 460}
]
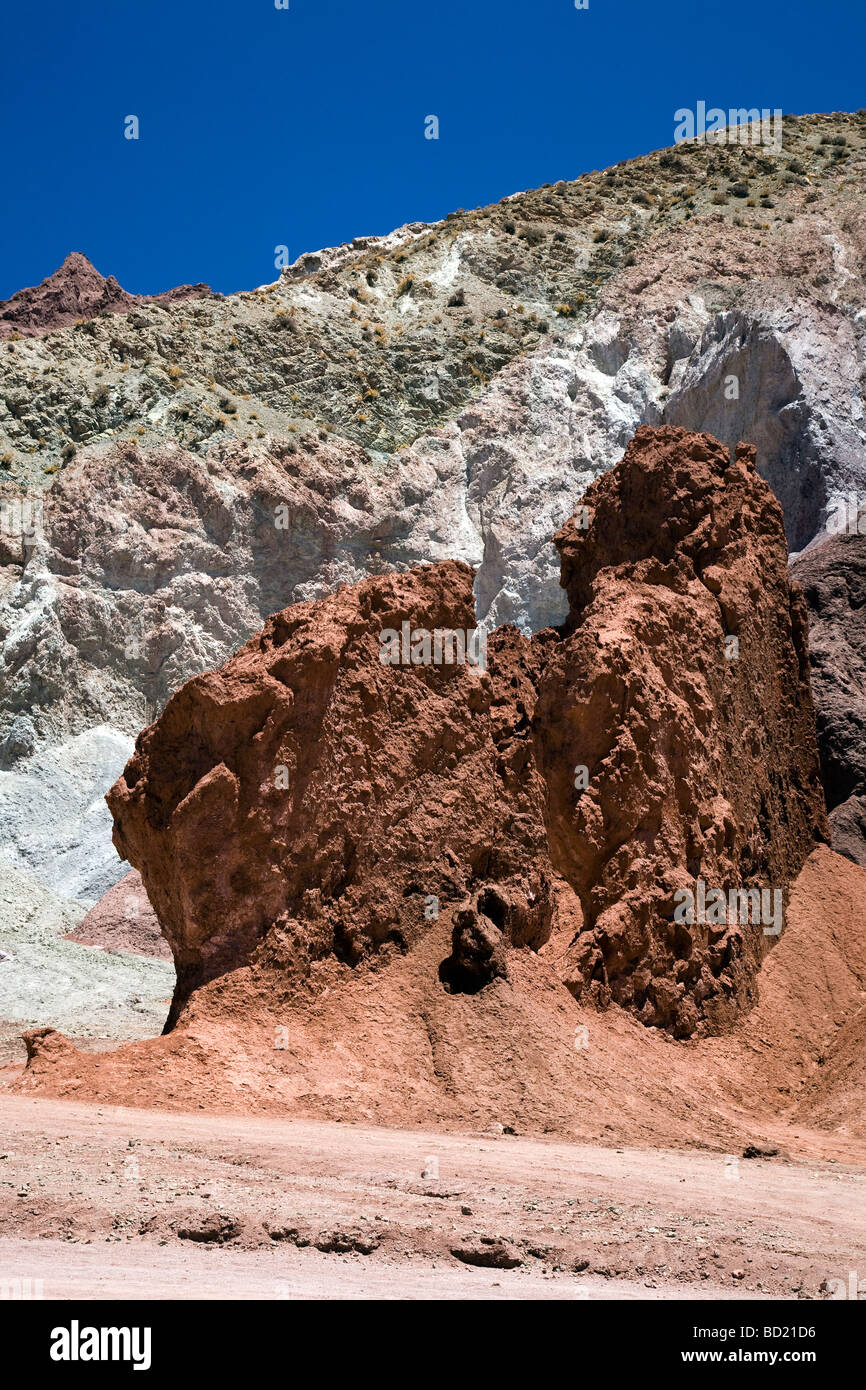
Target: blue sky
[{"x": 305, "y": 127}]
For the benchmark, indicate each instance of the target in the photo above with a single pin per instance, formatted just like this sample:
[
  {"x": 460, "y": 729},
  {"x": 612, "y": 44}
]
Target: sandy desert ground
[{"x": 103, "y": 1201}]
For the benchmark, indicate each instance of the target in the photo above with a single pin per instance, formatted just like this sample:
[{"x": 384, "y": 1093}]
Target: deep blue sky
[{"x": 305, "y": 127}]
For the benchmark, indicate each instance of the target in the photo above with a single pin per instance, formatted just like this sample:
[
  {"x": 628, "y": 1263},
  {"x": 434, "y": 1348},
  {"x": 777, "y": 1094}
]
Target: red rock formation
[
  {"x": 682, "y": 688},
  {"x": 309, "y": 801},
  {"x": 77, "y": 291},
  {"x": 311, "y": 795}
]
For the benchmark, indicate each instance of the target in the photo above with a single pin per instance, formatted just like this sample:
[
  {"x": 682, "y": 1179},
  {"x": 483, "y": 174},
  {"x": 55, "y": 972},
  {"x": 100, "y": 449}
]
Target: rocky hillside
[
  {"x": 172, "y": 471},
  {"x": 445, "y": 392},
  {"x": 77, "y": 292}
]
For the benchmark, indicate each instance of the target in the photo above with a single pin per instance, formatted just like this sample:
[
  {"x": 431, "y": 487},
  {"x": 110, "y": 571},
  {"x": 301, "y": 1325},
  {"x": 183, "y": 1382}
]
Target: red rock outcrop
[
  {"x": 309, "y": 801},
  {"x": 76, "y": 290},
  {"x": 310, "y": 795},
  {"x": 682, "y": 688}
]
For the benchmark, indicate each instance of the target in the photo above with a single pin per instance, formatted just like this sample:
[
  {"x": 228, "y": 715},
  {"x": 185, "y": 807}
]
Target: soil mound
[
  {"x": 123, "y": 920},
  {"x": 388, "y": 1046}
]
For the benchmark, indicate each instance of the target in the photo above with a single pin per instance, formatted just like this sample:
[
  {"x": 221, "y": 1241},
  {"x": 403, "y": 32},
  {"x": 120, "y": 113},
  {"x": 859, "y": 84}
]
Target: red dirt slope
[{"x": 382, "y": 1046}]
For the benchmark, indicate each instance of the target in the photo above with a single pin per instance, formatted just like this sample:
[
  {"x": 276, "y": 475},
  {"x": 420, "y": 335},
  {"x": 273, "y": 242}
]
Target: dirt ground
[
  {"x": 99, "y": 1201},
  {"x": 386, "y": 1139},
  {"x": 389, "y": 1046}
]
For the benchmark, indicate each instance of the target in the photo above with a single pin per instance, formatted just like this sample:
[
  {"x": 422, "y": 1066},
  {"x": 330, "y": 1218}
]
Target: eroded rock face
[
  {"x": 309, "y": 799},
  {"x": 310, "y": 794},
  {"x": 833, "y": 576},
  {"x": 682, "y": 690}
]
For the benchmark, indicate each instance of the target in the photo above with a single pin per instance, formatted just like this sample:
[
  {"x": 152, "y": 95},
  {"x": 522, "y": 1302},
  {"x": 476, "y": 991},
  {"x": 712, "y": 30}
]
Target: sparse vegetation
[{"x": 419, "y": 316}]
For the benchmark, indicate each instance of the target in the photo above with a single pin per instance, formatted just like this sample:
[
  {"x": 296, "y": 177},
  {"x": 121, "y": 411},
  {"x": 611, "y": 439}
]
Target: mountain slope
[{"x": 172, "y": 472}]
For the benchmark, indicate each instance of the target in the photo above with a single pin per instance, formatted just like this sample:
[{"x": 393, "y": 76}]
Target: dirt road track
[
  {"x": 193, "y": 1273},
  {"x": 103, "y": 1202}
]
